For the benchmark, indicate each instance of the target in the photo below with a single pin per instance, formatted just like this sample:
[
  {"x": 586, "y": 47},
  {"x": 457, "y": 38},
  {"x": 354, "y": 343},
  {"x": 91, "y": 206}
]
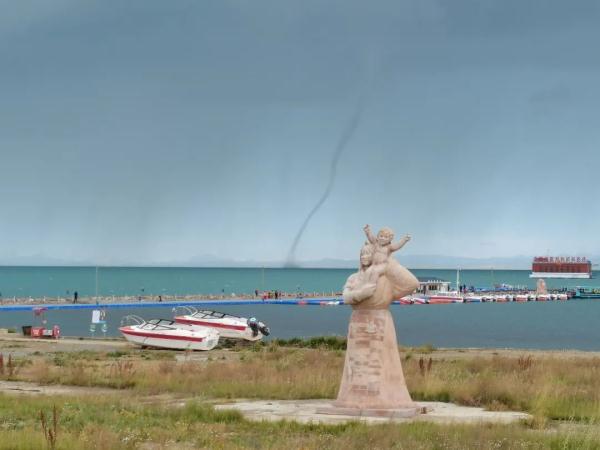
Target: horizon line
[{"x": 158, "y": 266}]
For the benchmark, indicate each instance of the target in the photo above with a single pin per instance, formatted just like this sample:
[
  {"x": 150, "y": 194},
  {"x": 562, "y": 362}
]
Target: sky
[{"x": 153, "y": 132}]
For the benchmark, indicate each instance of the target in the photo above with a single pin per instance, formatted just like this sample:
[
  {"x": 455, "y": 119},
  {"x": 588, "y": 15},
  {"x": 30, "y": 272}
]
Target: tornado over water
[{"x": 345, "y": 137}]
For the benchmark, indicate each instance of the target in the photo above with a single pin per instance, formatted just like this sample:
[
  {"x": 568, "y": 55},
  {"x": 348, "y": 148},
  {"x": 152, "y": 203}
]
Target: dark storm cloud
[
  {"x": 169, "y": 129},
  {"x": 489, "y": 18}
]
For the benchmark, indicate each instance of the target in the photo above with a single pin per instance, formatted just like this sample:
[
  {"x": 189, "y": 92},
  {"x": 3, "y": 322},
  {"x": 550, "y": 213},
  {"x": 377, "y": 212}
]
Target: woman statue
[{"x": 373, "y": 381}]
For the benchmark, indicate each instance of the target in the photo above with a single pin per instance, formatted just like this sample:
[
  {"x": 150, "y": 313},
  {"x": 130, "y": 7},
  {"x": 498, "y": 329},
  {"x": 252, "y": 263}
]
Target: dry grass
[
  {"x": 270, "y": 372},
  {"x": 555, "y": 388},
  {"x": 548, "y": 387}
]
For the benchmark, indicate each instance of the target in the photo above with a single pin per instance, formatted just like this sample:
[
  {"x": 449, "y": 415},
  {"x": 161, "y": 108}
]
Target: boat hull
[
  {"x": 226, "y": 330},
  {"x": 180, "y": 341},
  {"x": 442, "y": 300},
  {"x": 588, "y": 296}
]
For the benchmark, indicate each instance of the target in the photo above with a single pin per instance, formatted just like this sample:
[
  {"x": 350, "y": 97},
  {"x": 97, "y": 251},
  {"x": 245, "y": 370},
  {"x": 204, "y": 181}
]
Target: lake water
[
  {"x": 543, "y": 325},
  {"x": 63, "y": 281}
]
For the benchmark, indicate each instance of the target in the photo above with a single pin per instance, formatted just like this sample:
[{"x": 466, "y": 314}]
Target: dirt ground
[{"x": 20, "y": 345}]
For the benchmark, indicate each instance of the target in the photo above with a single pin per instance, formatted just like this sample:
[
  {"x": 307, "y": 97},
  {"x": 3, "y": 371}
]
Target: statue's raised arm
[
  {"x": 370, "y": 236},
  {"x": 395, "y": 246}
]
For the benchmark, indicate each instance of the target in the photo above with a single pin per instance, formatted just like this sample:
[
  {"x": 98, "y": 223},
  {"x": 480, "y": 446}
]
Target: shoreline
[
  {"x": 76, "y": 343},
  {"x": 114, "y": 299},
  {"x": 282, "y": 298},
  {"x": 29, "y": 306}
]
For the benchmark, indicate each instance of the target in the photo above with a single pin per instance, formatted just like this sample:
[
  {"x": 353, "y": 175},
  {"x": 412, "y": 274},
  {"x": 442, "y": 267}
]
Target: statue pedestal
[{"x": 373, "y": 382}]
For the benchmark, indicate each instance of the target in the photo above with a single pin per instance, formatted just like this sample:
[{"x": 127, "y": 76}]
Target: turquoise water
[
  {"x": 62, "y": 281},
  {"x": 544, "y": 325},
  {"x": 533, "y": 325}
]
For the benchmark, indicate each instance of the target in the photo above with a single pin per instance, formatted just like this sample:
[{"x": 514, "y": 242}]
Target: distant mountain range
[
  {"x": 411, "y": 261},
  {"x": 522, "y": 262}
]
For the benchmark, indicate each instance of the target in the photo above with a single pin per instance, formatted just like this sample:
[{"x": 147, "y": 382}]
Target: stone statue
[
  {"x": 373, "y": 382},
  {"x": 383, "y": 246},
  {"x": 541, "y": 287}
]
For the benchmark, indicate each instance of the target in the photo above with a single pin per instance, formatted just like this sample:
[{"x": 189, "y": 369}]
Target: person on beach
[
  {"x": 75, "y": 296},
  {"x": 383, "y": 247}
]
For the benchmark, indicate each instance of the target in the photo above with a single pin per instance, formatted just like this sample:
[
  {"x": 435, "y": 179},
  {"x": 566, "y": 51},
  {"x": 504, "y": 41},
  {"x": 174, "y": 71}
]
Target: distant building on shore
[{"x": 432, "y": 285}]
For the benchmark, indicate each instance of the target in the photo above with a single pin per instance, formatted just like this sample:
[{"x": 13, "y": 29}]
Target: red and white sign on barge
[{"x": 561, "y": 267}]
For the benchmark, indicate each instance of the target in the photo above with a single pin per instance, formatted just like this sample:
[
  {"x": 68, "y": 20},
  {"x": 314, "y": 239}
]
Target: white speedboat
[
  {"x": 169, "y": 334},
  {"x": 227, "y": 325},
  {"x": 449, "y": 297}
]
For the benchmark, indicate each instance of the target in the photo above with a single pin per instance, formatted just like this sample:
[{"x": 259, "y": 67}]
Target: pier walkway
[{"x": 171, "y": 304}]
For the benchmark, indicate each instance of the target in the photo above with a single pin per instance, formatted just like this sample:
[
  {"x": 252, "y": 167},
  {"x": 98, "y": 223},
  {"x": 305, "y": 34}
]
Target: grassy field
[{"x": 561, "y": 392}]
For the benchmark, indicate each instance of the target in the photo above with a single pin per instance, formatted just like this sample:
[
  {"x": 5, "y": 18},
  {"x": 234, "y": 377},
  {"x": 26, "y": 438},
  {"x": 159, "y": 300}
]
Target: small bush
[{"x": 322, "y": 342}]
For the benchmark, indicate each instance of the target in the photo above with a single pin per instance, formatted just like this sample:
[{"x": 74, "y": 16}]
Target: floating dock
[{"x": 325, "y": 301}]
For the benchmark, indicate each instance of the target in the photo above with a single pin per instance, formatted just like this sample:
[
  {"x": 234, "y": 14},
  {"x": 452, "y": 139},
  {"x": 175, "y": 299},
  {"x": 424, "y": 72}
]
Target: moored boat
[
  {"x": 444, "y": 298},
  {"x": 330, "y": 303},
  {"x": 227, "y": 325},
  {"x": 587, "y": 292},
  {"x": 164, "y": 333}
]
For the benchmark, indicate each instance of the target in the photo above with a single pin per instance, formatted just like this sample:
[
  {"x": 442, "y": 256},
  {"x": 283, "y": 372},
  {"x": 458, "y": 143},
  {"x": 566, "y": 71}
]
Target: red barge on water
[{"x": 561, "y": 267}]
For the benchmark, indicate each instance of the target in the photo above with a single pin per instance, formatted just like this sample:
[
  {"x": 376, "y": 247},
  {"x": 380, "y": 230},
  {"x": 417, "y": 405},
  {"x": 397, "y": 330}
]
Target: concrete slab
[
  {"x": 371, "y": 412},
  {"x": 306, "y": 411}
]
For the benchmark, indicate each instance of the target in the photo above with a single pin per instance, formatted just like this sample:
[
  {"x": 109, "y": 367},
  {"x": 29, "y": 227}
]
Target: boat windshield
[
  {"x": 159, "y": 324},
  {"x": 213, "y": 315}
]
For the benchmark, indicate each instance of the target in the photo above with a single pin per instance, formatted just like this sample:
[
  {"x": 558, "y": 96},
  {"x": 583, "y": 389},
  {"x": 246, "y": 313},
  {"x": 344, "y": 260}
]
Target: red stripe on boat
[
  {"x": 441, "y": 300},
  {"x": 404, "y": 301},
  {"x": 209, "y": 324},
  {"x": 127, "y": 330}
]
